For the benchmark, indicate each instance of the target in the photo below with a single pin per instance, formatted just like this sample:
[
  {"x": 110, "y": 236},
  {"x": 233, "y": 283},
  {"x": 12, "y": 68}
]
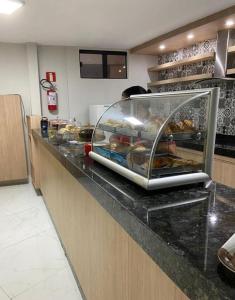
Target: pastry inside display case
[
  {"x": 142, "y": 136},
  {"x": 63, "y": 131}
]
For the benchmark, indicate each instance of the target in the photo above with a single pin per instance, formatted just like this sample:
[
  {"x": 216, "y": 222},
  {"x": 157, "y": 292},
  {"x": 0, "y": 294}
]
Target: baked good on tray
[
  {"x": 137, "y": 155},
  {"x": 171, "y": 162},
  {"x": 181, "y": 126}
]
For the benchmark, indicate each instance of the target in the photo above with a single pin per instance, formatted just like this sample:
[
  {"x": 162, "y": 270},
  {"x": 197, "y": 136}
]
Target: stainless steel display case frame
[{"x": 175, "y": 180}]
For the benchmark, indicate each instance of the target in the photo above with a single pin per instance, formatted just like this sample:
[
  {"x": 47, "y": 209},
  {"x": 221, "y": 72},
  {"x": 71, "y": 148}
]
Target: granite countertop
[{"x": 181, "y": 229}]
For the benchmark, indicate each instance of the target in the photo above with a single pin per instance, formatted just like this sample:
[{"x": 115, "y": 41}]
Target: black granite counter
[{"x": 181, "y": 229}]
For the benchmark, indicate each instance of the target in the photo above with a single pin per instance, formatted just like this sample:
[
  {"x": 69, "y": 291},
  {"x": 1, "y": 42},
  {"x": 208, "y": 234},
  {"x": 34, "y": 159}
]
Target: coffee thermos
[{"x": 44, "y": 127}]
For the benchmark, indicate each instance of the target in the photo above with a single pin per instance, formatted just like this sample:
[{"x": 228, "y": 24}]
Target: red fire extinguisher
[{"x": 52, "y": 98}]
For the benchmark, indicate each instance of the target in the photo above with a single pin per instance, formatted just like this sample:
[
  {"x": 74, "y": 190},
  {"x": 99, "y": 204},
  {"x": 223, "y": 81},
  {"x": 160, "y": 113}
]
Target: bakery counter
[{"x": 129, "y": 243}]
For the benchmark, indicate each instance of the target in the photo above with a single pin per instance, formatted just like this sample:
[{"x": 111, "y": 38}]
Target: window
[{"x": 103, "y": 64}]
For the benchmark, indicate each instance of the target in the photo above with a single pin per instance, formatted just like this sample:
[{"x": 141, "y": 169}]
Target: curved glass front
[{"x": 150, "y": 134}]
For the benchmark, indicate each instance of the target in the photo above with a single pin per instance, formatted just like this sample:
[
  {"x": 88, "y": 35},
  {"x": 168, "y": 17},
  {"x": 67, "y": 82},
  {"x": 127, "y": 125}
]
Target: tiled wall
[{"x": 226, "y": 113}]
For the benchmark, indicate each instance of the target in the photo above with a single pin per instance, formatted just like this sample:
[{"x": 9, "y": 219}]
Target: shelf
[
  {"x": 230, "y": 71},
  {"x": 176, "y": 136},
  {"x": 185, "y": 61},
  {"x": 180, "y": 79},
  {"x": 231, "y": 49},
  {"x": 119, "y": 130}
]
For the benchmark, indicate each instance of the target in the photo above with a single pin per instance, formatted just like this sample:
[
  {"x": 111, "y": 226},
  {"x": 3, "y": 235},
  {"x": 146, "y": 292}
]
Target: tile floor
[{"x": 32, "y": 262}]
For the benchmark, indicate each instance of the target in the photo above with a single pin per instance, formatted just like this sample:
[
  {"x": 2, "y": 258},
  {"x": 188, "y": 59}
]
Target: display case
[{"x": 141, "y": 137}]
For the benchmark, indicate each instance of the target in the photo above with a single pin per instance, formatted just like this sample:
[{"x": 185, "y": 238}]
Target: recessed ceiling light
[
  {"x": 7, "y": 7},
  {"x": 190, "y": 36},
  {"x": 229, "y": 23},
  {"x": 162, "y": 47}
]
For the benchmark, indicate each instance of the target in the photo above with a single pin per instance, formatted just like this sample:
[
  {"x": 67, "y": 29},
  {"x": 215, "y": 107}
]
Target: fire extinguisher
[{"x": 52, "y": 99}]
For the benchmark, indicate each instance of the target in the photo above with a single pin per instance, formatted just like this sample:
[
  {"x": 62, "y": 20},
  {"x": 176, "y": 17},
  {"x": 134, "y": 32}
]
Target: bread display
[
  {"x": 181, "y": 126},
  {"x": 172, "y": 162},
  {"x": 153, "y": 126},
  {"x": 113, "y": 123},
  {"x": 69, "y": 129},
  {"x": 119, "y": 124},
  {"x": 137, "y": 155}
]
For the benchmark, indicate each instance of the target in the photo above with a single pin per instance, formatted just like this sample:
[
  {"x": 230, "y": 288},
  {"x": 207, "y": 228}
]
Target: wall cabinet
[{"x": 13, "y": 162}]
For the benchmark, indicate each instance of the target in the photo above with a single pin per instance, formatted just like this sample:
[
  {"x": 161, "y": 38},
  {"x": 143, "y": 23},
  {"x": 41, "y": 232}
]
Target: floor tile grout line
[
  {"x": 49, "y": 232},
  {"x": 38, "y": 283},
  {"x": 16, "y": 243},
  {"x": 35, "y": 206},
  {"x": 39, "y": 233},
  {"x": 9, "y": 213}
]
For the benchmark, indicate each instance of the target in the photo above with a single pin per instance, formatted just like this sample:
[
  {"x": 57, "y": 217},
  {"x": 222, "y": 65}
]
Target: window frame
[{"x": 104, "y": 54}]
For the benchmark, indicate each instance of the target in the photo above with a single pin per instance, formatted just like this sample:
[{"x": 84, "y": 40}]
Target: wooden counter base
[
  {"x": 223, "y": 167},
  {"x": 109, "y": 264}
]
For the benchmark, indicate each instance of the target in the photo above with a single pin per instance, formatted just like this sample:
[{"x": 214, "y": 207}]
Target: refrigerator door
[{"x": 96, "y": 111}]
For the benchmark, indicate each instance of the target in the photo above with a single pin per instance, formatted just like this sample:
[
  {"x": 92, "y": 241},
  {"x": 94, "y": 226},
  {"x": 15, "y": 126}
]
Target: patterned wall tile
[{"x": 226, "y": 112}]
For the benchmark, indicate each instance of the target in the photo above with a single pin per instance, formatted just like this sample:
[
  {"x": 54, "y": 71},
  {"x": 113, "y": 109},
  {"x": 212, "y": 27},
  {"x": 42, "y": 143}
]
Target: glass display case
[{"x": 150, "y": 138}]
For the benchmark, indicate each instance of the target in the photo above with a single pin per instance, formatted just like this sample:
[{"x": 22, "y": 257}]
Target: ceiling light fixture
[
  {"x": 162, "y": 47},
  {"x": 190, "y": 36},
  {"x": 229, "y": 23},
  {"x": 7, "y": 7}
]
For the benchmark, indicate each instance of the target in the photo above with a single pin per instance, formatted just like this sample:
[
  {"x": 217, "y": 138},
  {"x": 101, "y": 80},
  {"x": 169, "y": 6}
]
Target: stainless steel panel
[
  {"x": 152, "y": 184},
  {"x": 223, "y": 38}
]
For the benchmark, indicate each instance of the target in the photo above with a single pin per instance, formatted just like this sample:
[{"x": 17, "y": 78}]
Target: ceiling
[{"x": 104, "y": 24}]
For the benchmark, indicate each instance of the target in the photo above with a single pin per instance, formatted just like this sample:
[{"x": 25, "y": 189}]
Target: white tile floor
[{"x": 32, "y": 262}]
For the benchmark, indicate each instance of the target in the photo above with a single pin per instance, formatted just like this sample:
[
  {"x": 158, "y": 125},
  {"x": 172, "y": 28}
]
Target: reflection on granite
[{"x": 180, "y": 228}]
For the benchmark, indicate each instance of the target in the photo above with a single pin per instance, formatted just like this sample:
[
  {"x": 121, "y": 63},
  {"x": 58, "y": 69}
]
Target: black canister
[{"x": 44, "y": 126}]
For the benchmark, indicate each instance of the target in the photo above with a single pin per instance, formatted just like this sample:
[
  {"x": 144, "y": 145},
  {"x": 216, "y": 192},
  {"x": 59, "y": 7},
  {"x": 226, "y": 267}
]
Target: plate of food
[{"x": 226, "y": 254}]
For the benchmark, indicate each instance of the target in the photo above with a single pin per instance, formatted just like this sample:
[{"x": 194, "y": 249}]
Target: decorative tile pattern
[
  {"x": 197, "y": 49},
  {"x": 226, "y": 111}
]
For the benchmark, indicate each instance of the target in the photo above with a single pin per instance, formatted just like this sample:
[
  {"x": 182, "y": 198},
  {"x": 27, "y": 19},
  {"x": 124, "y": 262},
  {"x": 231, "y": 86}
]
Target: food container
[
  {"x": 72, "y": 149},
  {"x": 62, "y": 131},
  {"x": 85, "y": 134}
]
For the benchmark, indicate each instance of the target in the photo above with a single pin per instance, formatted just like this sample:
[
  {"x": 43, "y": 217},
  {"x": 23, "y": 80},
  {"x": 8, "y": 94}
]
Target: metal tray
[
  {"x": 117, "y": 157},
  {"x": 163, "y": 172},
  {"x": 178, "y": 136},
  {"x": 167, "y": 171},
  {"x": 127, "y": 131},
  {"x": 107, "y": 128}
]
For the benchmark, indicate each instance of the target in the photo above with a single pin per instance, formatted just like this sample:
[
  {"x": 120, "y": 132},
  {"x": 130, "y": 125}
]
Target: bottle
[{"x": 44, "y": 126}]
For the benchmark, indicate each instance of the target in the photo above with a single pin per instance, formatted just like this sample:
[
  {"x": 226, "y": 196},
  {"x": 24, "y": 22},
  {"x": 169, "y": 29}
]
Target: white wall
[
  {"x": 14, "y": 72},
  {"x": 75, "y": 93}
]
